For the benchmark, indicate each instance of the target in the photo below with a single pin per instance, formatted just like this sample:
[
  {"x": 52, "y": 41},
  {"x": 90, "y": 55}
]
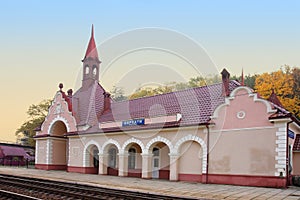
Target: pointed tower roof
[
  {"x": 91, "y": 49},
  {"x": 274, "y": 99}
]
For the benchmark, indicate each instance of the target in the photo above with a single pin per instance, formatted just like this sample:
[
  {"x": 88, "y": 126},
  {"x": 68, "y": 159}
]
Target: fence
[{"x": 16, "y": 162}]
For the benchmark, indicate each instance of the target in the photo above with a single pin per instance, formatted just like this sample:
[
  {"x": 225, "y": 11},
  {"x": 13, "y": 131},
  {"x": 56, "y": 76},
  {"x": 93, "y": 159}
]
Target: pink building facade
[{"x": 222, "y": 133}]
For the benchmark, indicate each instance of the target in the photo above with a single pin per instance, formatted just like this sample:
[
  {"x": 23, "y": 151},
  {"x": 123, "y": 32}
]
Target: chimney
[
  {"x": 107, "y": 102},
  {"x": 70, "y": 94},
  {"x": 225, "y": 80}
]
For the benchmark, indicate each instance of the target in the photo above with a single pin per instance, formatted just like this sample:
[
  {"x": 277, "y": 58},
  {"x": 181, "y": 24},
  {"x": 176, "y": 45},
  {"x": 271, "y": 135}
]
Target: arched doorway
[
  {"x": 134, "y": 161},
  {"x": 160, "y": 161},
  {"x": 92, "y": 159},
  {"x": 112, "y": 160},
  {"x": 190, "y": 162},
  {"x": 58, "y": 146}
]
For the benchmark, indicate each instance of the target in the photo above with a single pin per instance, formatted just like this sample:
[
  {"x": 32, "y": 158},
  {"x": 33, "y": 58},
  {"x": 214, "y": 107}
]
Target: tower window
[
  {"x": 87, "y": 69},
  {"x": 94, "y": 70}
]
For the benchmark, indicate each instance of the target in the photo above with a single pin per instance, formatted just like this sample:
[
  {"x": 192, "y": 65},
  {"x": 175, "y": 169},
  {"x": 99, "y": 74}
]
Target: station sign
[
  {"x": 133, "y": 122},
  {"x": 291, "y": 134}
]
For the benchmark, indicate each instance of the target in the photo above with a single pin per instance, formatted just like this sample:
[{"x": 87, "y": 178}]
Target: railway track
[{"x": 18, "y": 187}]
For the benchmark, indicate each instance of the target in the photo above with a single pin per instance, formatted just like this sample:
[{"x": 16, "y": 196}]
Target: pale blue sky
[{"x": 42, "y": 43}]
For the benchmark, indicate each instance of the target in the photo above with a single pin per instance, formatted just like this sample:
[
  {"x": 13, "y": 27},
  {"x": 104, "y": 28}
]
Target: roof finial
[
  {"x": 242, "y": 78},
  {"x": 92, "y": 34},
  {"x": 60, "y": 86}
]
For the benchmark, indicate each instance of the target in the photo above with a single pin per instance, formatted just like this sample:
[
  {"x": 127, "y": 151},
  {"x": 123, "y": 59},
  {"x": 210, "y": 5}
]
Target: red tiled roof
[
  {"x": 13, "y": 151},
  {"x": 280, "y": 113},
  {"x": 296, "y": 146},
  {"x": 196, "y": 106},
  {"x": 88, "y": 104},
  {"x": 274, "y": 99}
]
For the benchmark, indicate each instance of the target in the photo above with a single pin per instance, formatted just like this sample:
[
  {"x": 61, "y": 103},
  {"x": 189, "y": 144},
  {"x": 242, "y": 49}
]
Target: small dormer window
[{"x": 87, "y": 69}]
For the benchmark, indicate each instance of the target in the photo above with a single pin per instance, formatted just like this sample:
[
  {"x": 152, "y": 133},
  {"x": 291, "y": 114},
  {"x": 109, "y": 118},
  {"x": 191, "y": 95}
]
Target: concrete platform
[{"x": 181, "y": 189}]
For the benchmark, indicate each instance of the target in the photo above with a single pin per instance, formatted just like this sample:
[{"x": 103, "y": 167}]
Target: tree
[
  {"x": 296, "y": 77},
  {"x": 142, "y": 92},
  {"x": 36, "y": 116},
  {"x": 250, "y": 80},
  {"x": 285, "y": 84},
  {"x": 174, "y": 86},
  {"x": 117, "y": 94}
]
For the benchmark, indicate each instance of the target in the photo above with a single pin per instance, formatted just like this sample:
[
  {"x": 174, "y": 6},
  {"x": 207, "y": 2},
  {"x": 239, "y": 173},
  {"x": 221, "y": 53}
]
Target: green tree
[
  {"x": 117, "y": 94},
  {"x": 142, "y": 92},
  {"x": 249, "y": 80},
  {"x": 174, "y": 86},
  {"x": 200, "y": 81},
  {"x": 36, "y": 116}
]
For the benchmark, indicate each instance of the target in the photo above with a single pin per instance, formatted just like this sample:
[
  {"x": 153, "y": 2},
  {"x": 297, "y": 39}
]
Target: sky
[{"x": 42, "y": 44}]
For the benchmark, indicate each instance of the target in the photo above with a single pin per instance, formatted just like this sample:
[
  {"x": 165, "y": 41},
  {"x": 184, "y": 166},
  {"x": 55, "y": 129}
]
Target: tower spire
[
  {"x": 91, "y": 63},
  {"x": 91, "y": 49}
]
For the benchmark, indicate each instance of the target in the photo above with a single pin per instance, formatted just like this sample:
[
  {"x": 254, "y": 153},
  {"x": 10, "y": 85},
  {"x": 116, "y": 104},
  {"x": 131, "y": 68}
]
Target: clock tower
[{"x": 91, "y": 63}]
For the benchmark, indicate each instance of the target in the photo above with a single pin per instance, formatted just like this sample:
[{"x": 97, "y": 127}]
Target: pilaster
[
  {"x": 123, "y": 164},
  {"x": 103, "y": 163},
  {"x": 174, "y": 166},
  {"x": 147, "y": 165}
]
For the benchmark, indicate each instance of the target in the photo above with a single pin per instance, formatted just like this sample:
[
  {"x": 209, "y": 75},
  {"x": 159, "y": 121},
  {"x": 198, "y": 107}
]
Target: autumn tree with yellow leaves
[{"x": 285, "y": 83}]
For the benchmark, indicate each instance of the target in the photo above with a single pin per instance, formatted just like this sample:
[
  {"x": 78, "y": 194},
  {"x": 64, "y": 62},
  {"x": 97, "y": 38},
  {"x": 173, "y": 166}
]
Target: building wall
[
  {"x": 76, "y": 151},
  {"x": 59, "y": 152},
  {"x": 78, "y": 145},
  {"x": 244, "y": 152},
  {"x": 41, "y": 151},
  {"x": 190, "y": 161},
  {"x": 296, "y": 163}
]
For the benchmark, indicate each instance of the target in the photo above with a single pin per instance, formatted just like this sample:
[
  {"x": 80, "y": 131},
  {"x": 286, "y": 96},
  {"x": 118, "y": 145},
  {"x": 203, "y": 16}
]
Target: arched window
[
  {"x": 131, "y": 158},
  {"x": 95, "y": 158},
  {"x": 112, "y": 157},
  {"x": 94, "y": 70},
  {"x": 155, "y": 157},
  {"x": 155, "y": 151},
  {"x": 87, "y": 69}
]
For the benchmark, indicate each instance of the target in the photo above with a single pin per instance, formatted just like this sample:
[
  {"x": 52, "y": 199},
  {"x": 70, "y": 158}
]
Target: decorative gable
[
  {"x": 243, "y": 109},
  {"x": 58, "y": 111}
]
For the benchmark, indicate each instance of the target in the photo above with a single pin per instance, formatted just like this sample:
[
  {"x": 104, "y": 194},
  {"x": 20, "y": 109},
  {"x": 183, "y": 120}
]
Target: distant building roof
[{"x": 13, "y": 151}]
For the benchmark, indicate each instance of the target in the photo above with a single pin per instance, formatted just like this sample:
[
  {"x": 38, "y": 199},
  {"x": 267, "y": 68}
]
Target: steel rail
[{"x": 77, "y": 191}]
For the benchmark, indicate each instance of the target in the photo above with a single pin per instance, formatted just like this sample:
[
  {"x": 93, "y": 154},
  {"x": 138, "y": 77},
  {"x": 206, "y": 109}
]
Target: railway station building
[{"x": 223, "y": 133}]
